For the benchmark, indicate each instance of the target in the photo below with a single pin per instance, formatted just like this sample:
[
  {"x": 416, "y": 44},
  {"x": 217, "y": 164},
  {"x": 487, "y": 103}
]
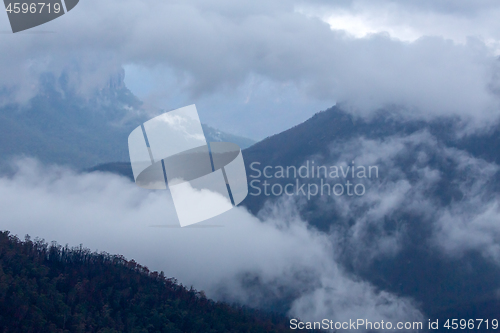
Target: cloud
[
  {"x": 471, "y": 224},
  {"x": 432, "y": 210},
  {"x": 318, "y": 304},
  {"x": 214, "y": 51},
  {"x": 426, "y": 195},
  {"x": 281, "y": 255},
  {"x": 379, "y": 223},
  {"x": 410, "y": 20}
]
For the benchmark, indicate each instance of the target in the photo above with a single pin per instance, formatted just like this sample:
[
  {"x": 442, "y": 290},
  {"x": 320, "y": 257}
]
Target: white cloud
[
  {"x": 214, "y": 51},
  {"x": 110, "y": 213},
  {"x": 410, "y": 20},
  {"x": 471, "y": 224},
  {"x": 426, "y": 192},
  {"x": 459, "y": 230}
]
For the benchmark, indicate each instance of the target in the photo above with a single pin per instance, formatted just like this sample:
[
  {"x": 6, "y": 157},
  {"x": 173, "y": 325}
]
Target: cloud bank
[
  {"x": 244, "y": 259},
  {"x": 227, "y": 56}
]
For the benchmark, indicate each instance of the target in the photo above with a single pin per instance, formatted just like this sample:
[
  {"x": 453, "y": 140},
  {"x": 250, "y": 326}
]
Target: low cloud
[
  {"x": 427, "y": 193},
  {"x": 281, "y": 255}
]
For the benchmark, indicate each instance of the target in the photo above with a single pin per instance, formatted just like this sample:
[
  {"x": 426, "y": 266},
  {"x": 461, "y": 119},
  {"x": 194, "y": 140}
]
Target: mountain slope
[
  {"x": 214, "y": 135},
  {"x": 62, "y": 126},
  {"x": 393, "y": 236},
  {"x": 54, "y": 289}
]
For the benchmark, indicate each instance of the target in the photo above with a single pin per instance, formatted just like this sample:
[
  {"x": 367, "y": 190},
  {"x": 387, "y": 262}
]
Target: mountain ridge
[
  {"x": 64, "y": 126},
  {"x": 53, "y": 288}
]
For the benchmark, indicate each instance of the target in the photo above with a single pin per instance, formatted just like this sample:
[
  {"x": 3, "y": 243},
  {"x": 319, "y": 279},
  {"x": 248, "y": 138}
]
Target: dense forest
[{"x": 51, "y": 288}]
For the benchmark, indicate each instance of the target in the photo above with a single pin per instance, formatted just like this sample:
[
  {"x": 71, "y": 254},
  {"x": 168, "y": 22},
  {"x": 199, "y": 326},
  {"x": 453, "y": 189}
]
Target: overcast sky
[{"x": 258, "y": 67}]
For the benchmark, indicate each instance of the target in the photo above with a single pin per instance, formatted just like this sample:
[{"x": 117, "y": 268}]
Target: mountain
[
  {"x": 60, "y": 125},
  {"x": 214, "y": 135},
  {"x": 426, "y": 171},
  {"x": 57, "y": 289},
  {"x": 434, "y": 180},
  {"x": 434, "y": 163}
]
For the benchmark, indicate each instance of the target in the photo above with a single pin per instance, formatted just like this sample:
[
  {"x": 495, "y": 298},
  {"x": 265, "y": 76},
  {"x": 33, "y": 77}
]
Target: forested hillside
[{"x": 50, "y": 288}]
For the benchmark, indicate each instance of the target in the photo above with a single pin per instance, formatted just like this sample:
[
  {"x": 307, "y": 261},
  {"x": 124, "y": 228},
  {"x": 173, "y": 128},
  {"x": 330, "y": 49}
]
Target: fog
[{"x": 109, "y": 213}]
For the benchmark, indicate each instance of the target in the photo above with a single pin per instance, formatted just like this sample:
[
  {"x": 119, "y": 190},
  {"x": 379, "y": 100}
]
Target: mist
[{"x": 109, "y": 213}]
